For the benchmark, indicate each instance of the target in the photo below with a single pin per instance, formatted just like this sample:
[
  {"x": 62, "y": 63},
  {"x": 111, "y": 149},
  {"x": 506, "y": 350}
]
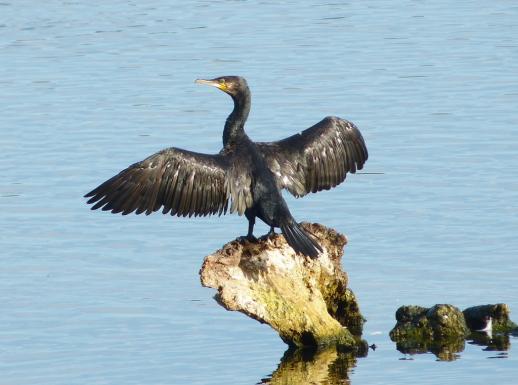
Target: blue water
[{"x": 87, "y": 89}]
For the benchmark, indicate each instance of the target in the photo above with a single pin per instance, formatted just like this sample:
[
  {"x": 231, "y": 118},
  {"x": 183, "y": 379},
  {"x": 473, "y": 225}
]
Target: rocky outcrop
[
  {"x": 443, "y": 329},
  {"x": 305, "y": 300},
  {"x": 437, "y": 322}
]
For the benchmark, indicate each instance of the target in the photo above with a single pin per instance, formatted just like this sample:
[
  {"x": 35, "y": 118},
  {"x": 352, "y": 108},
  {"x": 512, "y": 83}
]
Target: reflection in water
[
  {"x": 497, "y": 342},
  {"x": 447, "y": 350},
  {"x": 328, "y": 366}
]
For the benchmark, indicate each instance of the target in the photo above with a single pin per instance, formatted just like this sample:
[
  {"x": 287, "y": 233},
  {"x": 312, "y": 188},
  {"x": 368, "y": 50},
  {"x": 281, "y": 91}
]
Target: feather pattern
[
  {"x": 244, "y": 177},
  {"x": 184, "y": 183},
  {"x": 318, "y": 158}
]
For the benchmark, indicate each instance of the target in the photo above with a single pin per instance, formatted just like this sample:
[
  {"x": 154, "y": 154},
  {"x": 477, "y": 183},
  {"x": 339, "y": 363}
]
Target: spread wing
[
  {"x": 317, "y": 158},
  {"x": 184, "y": 183}
]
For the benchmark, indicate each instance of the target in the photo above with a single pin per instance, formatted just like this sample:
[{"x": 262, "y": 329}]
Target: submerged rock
[
  {"x": 440, "y": 329},
  {"x": 443, "y": 329},
  {"x": 437, "y": 322},
  {"x": 490, "y": 317},
  {"x": 305, "y": 300}
]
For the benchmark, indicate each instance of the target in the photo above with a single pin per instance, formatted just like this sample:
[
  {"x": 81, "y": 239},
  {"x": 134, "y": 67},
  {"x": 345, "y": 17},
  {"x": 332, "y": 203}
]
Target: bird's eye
[{"x": 221, "y": 81}]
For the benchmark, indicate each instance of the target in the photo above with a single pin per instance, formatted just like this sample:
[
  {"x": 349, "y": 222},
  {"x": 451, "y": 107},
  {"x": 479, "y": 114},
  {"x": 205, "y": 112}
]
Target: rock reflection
[
  {"x": 444, "y": 350},
  {"x": 448, "y": 350},
  {"x": 327, "y": 366},
  {"x": 490, "y": 342}
]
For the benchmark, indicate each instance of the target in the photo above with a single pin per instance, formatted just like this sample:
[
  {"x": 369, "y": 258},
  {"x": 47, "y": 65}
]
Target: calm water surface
[{"x": 93, "y": 298}]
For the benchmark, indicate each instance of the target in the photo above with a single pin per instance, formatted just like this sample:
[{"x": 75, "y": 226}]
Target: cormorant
[{"x": 248, "y": 175}]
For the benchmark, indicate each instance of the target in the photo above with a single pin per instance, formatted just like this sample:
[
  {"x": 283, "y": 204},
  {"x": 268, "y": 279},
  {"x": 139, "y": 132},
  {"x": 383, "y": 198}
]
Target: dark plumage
[{"x": 245, "y": 174}]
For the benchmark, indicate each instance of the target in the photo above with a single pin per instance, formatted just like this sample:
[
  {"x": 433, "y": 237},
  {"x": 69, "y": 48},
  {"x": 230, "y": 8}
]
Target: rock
[
  {"x": 437, "y": 322},
  {"x": 478, "y": 316},
  {"x": 443, "y": 329},
  {"x": 440, "y": 329},
  {"x": 305, "y": 300}
]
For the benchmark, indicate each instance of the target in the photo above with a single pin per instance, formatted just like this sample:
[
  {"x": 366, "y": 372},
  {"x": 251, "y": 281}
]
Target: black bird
[{"x": 248, "y": 175}]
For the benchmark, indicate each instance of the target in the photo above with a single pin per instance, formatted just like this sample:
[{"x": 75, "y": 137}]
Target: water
[{"x": 85, "y": 90}]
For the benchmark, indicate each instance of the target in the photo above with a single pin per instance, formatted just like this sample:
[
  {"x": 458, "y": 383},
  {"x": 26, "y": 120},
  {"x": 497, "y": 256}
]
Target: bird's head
[{"x": 235, "y": 86}]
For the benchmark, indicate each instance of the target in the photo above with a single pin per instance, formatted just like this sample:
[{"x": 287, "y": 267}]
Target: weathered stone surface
[{"x": 307, "y": 301}]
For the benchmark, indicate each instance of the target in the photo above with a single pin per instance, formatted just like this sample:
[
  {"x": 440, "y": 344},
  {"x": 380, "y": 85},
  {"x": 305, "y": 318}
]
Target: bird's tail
[{"x": 300, "y": 240}]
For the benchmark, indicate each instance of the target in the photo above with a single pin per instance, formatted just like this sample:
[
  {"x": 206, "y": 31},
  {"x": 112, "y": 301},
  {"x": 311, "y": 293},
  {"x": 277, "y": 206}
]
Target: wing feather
[
  {"x": 318, "y": 158},
  {"x": 183, "y": 183}
]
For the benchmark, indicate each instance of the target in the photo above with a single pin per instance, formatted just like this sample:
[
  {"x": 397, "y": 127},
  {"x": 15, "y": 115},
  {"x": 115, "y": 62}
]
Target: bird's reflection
[{"x": 325, "y": 366}]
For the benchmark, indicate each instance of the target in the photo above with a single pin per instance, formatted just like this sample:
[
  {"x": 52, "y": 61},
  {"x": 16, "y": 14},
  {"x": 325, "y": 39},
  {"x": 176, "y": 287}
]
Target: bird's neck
[{"x": 235, "y": 124}]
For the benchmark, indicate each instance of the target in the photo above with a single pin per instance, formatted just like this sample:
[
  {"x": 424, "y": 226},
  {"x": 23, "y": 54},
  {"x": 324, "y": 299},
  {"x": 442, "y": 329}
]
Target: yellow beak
[{"x": 212, "y": 83}]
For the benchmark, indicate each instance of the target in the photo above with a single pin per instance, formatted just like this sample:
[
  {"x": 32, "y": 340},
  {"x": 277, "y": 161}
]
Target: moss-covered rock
[
  {"x": 438, "y": 322},
  {"x": 478, "y": 316},
  {"x": 440, "y": 329},
  {"x": 443, "y": 329}
]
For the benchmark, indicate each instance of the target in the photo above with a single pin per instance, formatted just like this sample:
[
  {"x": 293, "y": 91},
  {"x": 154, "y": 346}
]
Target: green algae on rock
[
  {"x": 498, "y": 313},
  {"x": 443, "y": 329},
  {"x": 438, "y": 322},
  {"x": 305, "y": 300},
  {"x": 440, "y": 329}
]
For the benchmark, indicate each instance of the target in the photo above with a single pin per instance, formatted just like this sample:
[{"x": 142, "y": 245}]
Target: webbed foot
[{"x": 249, "y": 238}]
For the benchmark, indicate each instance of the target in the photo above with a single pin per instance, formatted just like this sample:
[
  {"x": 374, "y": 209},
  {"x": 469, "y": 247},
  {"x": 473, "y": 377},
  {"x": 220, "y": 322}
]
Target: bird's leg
[
  {"x": 271, "y": 232},
  {"x": 251, "y": 223}
]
